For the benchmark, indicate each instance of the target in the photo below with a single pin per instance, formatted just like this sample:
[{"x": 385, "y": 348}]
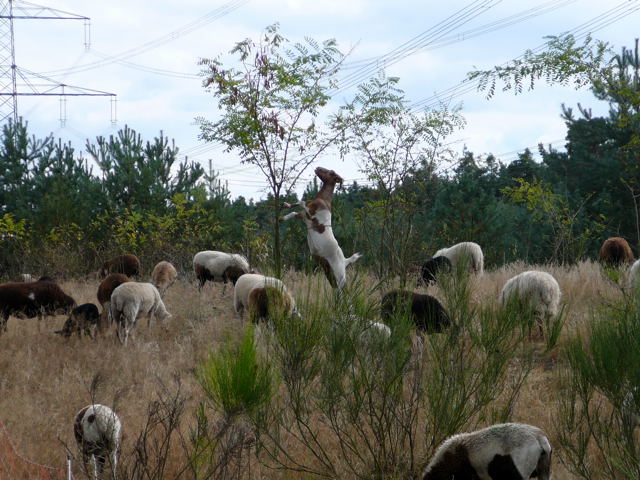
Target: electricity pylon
[{"x": 16, "y": 81}]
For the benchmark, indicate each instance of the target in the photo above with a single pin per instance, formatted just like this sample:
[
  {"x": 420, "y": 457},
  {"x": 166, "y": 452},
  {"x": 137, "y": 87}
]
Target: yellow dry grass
[{"x": 45, "y": 379}]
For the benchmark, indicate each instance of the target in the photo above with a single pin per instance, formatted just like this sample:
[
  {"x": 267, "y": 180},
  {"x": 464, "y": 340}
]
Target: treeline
[{"x": 62, "y": 212}]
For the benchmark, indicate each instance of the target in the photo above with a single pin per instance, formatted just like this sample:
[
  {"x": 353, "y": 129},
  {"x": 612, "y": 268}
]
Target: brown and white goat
[{"x": 317, "y": 217}]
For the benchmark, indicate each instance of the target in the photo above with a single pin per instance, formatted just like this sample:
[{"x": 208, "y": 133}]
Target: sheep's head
[{"x": 328, "y": 176}]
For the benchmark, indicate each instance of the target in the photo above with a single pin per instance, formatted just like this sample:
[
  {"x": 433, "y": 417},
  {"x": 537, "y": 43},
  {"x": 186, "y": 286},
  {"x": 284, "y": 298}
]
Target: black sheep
[{"x": 426, "y": 311}]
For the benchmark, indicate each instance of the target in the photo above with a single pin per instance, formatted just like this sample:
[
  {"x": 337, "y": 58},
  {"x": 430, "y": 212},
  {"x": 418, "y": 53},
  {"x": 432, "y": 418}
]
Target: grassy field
[{"x": 46, "y": 379}]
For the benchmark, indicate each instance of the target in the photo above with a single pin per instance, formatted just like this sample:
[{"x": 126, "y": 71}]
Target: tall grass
[{"x": 599, "y": 397}]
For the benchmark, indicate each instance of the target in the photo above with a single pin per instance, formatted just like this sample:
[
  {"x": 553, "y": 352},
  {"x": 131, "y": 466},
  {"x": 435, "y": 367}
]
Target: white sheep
[
  {"x": 633, "y": 277},
  {"x": 368, "y": 331},
  {"x": 97, "y": 431},
  {"x": 508, "y": 450},
  {"x": 464, "y": 251},
  {"x": 163, "y": 276},
  {"x": 253, "y": 293},
  {"x": 219, "y": 267},
  {"x": 132, "y": 300},
  {"x": 539, "y": 289}
]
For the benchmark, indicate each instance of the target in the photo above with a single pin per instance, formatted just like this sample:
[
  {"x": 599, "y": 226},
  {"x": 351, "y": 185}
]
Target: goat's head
[{"x": 328, "y": 176}]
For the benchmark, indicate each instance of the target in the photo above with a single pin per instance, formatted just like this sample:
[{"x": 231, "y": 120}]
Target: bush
[{"x": 600, "y": 393}]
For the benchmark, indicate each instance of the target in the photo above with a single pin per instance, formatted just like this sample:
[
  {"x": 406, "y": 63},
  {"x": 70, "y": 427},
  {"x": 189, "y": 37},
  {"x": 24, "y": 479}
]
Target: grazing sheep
[
  {"x": 539, "y": 289},
  {"x": 615, "y": 251},
  {"x": 258, "y": 293},
  {"x": 128, "y": 264},
  {"x": 433, "y": 267},
  {"x": 84, "y": 318},
  {"x": 509, "y": 451},
  {"x": 105, "y": 289},
  {"x": 426, "y": 311},
  {"x": 367, "y": 330},
  {"x": 219, "y": 267},
  {"x": 97, "y": 431},
  {"x": 317, "y": 217},
  {"x": 634, "y": 275},
  {"x": 163, "y": 276},
  {"x": 465, "y": 251},
  {"x": 132, "y": 300},
  {"x": 35, "y": 299}
]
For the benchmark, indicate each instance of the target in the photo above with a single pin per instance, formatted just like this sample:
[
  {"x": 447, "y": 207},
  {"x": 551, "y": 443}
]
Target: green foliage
[
  {"x": 234, "y": 379},
  {"x": 599, "y": 395},
  {"x": 563, "y": 62},
  {"x": 269, "y": 104},
  {"x": 362, "y": 404},
  {"x": 567, "y": 244}
]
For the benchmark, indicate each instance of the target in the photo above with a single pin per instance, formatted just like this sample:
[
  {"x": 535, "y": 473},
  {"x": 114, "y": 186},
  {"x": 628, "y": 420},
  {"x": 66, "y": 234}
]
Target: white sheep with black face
[
  {"x": 97, "y": 431},
  {"x": 506, "y": 451},
  {"x": 464, "y": 251}
]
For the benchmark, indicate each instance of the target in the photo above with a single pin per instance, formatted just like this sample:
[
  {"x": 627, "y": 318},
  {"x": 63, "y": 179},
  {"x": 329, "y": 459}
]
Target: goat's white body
[
  {"x": 249, "y": 281},
  {"x": 538, "y": 288},
  {"x": 459, "y": 251},
  {"x": 525, "y": 444},
  {"x": 324, "y": 244},
  {"x": 132, "y": 300},
  {"x": 97, "y": 431}
]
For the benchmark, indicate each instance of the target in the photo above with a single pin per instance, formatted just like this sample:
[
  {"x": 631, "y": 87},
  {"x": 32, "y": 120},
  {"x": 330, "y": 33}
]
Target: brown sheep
[
  {"x": 615, "y": 251},
  {"x": 106, "y": 288},
  {"x": 163, "y": 276},
  {"x": 128, "y": 264},
  {"x": 35, "y": 299}
]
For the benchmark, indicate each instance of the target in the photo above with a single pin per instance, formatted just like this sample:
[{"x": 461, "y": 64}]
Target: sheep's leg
[
  {"x": 3, "y": 322},
  {"x": 114, "y": 464}
]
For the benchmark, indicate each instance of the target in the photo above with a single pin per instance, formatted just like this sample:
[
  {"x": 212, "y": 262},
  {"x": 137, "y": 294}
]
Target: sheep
[
  {"x": 219, "y": 267},
  {"x": 367, "y": 330},
  {"x": 426, "y": 311},
  {"x": 26, "y": 278},
  {"x": 35, "y": 299},
  {"x": 128, "y": 264},
  {"x": 633, "y": 277},
  {"x": 433, "y": 267},
  {"x": 505, "y": 451},
  {"x": 163, "y": 276},
  {"x": 97, "y": 431},
  {"x": 615, "y": 251},
  {"x": 258, "y": 293},
  {"x": 83, "y": 318},
  {"x": 105, "y": 289},
  {"x": 539, "y": 289},
  {"x": 465, "y": 251},
  {"x": 317, "y": 218},
  {"x": 132, "y": 300}
]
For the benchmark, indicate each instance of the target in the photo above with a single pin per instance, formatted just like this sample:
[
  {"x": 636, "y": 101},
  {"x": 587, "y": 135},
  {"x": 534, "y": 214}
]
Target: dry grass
[{"x": 46, "y": 379}]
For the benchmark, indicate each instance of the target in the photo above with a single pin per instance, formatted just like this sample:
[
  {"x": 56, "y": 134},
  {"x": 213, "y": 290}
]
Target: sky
[{"x": 147, "y": 54}]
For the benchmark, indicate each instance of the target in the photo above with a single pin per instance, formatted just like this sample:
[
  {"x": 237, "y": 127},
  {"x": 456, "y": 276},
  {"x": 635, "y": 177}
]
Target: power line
[
  {"x": 581, "y": 31},
  {"x": 198, "y": 23}
]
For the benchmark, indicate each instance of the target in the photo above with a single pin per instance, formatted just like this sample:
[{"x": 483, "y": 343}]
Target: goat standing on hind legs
[{"x": 317, "y": 217}]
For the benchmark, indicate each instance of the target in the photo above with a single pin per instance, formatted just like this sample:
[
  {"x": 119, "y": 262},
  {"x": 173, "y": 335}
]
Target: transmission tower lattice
[{"x": 16, "y": 81}]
